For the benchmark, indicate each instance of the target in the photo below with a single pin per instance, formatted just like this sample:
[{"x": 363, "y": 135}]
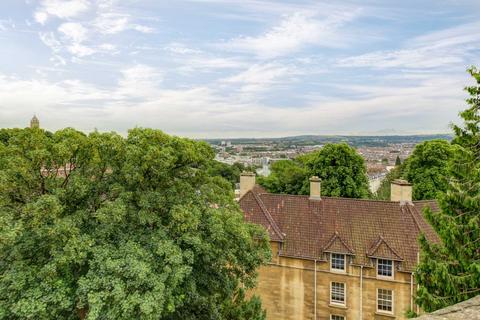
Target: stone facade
[{"x": 287, "y": 289}]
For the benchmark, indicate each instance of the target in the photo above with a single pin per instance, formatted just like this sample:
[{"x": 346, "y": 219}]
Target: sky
[{"x": 237, "y": 68}]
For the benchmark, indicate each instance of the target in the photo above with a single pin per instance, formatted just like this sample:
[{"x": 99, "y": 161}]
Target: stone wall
[{"x": 467, "y": 310}]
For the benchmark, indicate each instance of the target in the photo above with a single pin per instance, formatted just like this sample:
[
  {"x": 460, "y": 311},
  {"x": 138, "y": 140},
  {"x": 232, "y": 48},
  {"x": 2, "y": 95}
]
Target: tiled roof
[{"x": 361, "y": 228}]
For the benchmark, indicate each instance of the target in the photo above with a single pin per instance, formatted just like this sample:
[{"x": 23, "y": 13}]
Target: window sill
[
  {"x": 338, "y": 271},
  {"x": 385, "y": 278},
  {"x": 385, "y": 314},
  {"x": 337, "y": 305}
]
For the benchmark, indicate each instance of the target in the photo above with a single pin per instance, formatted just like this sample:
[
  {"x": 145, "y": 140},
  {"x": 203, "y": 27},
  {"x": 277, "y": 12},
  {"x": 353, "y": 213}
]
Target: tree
[
  {"x": 103, "y": 227},
  {"x": 427, "y": 169},
  {"x": 230, "y": 173},
  {"x": 341, "y": 169},
  {"x": 449, "y": 271},
  {"x": 383, "y": 192},
  {"x": 398, "y": 161},
  {"x": 286, "y": 176}
]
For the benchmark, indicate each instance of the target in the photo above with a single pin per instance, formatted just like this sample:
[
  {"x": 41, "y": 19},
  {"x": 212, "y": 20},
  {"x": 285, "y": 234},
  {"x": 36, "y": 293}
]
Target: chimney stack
[
  {"x": 247, "y": 182},
  {"x": 401, "y": 190},
  {"x": 315, "y": 188}
]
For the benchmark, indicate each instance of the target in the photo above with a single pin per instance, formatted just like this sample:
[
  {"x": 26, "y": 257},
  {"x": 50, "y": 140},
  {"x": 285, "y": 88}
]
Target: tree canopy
[
  {"x": 340, "y": 167},
  {"x": 104, "y": 227},
  {"x": 230, "y": 173},
  {"x": 426, "y": 169},
  {"x": 449, "y": 271}
]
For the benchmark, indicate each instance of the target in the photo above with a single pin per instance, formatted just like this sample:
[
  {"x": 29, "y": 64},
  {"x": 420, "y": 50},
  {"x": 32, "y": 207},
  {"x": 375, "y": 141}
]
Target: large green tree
[
  {"x": 342, "y": 170},
  {"x": 449, "y": 271},
  {"x": 287, "y": 176},
  {"x": 426, "y": 169},
  {"x": 106, "y": 227},
  {"x": 340, "y": 167}
]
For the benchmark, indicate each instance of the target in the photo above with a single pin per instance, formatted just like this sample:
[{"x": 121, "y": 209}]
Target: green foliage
[
  {"x": 383, "y": 192},
  {"x": 398, "y": 161},
  {"x": 411, "y": 314},
  {"x": 449, "y": 272},
  {"x": 427, "y": 169},
  {"x": 105, "y": 227},
  {"x": 230, "y": 173},
  {"x": 287, "y": 176},
  {"x": 341, "y": 169}
]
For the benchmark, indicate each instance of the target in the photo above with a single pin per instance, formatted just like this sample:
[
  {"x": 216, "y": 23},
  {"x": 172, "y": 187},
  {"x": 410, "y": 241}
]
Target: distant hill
[{"x": 356, "y": 141}]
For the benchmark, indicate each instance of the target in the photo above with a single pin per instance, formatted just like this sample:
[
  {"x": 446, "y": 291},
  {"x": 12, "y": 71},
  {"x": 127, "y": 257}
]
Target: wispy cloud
[
  {"x": 451, "y": 46},
  {"x": 293, "y": 33},
  {"x": 259, "y": 77},
  {"x": 112, "y": 23},
  {"x": 60, "y": 8}
]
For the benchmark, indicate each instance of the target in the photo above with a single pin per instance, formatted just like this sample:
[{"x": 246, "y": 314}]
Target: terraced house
[{"x": 338, "y": 258}]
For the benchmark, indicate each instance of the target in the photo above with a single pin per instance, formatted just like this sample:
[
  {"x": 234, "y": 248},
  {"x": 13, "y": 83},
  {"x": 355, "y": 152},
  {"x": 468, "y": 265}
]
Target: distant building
[
  {"x": 34, "y": 123},
  {"x": 337, "y": 258}
]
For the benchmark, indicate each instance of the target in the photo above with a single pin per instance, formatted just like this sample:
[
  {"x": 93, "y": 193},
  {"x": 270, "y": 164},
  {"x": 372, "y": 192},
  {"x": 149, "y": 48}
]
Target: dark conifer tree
[{"x": 449, "y": 272}]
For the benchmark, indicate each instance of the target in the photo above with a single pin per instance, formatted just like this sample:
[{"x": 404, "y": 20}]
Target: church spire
[{"x": 34, "y": 123}]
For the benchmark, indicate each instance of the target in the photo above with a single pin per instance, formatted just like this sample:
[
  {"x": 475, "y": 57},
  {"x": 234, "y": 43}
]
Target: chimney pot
[
  {"x": 315, "y": 188},
  {"x": 401, "y": 190},
  {"x": 247, "y": 182}
]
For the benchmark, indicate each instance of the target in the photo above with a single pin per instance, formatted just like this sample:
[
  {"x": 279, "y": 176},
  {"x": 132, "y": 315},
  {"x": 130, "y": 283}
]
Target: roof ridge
[
  {"x": 267, "y": 214},
  {"x": 335, "y": 198}
]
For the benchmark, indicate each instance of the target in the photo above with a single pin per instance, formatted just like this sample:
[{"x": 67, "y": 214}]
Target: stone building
[
  {"x": 337, "y": 258},
  {"x": 34, "y": 122}
]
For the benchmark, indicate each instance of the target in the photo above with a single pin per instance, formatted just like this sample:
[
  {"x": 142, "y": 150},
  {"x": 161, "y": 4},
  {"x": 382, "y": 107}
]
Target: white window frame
[
  {"x": 344, "y": 270},
  {"x": 393, "y": 302},
  {"x": 344, "y": 303},
  {"x": 337, "y": 315},
  {"x": 383, "y": 276}
]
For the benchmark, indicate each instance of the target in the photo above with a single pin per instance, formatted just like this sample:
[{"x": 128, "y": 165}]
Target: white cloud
[
  {"x": 112, "y": 23},
  {"x": 75, "y": 32},
  {"x": 443, "y": 48},
  {"x": 80, "y": 50},
  {"x": 293, "y": 33},
  {"x": 62, "y": 9},
  {"x": 49, "y": 39},
  {"x": 180, "y": 48},
  {"x": 138, "y": 81},
  {"x": 263, "y": 76},
  {"x": 139, "y": 99}
]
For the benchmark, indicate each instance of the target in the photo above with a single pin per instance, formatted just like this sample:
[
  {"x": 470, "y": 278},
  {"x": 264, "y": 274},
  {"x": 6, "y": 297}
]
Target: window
[
  {"x": 384, "y": 300},
  {"x": 384, "y": 268},
  {"x": 337, "y": 261},
  {"x": 337, "y": 292},
  {"x": 336, "y": 317}
]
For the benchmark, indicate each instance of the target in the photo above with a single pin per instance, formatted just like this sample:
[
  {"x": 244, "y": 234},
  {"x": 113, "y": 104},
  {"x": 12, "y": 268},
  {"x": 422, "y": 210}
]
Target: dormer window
[
  {"x": 384, "y": 268},
  {"x": 337, "y": 262}
]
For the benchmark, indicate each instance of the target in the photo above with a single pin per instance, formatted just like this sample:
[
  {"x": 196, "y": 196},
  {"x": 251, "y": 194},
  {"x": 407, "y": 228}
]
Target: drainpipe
[
  {"x": 411, "y": 291},
  {"x": 361, "y": 292},
  {"x": 315, "y": 291}
]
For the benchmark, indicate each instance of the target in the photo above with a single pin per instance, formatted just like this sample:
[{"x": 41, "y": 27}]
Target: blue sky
[{"x": 239, "y": 68}]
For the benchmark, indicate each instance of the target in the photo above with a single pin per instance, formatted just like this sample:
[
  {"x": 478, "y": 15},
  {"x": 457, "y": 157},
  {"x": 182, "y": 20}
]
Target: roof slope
[{"x": 361, "y": 228}]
